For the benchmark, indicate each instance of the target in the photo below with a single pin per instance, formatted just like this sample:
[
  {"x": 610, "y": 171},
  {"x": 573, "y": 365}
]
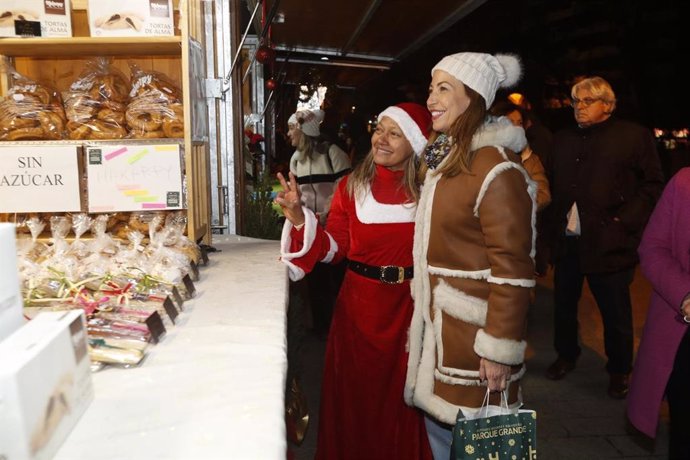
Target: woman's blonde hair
[
  {"x": 306, "y": 144},
  {"x": 365, "y": 171},
  {"x": 462, "y": 130}
]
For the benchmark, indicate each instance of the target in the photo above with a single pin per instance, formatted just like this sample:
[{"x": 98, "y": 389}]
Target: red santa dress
[{"x": 363, "y": 415}]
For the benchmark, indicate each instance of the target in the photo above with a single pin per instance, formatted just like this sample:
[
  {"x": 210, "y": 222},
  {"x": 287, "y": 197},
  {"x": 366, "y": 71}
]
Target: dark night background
[{"x": 639, "y": 46}]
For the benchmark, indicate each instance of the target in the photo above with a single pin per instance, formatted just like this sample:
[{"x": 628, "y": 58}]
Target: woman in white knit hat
[
  {"x": 371, "y": 221},
  {"x": 318, "y": 166},
  {"x": 473, "y": 249}
]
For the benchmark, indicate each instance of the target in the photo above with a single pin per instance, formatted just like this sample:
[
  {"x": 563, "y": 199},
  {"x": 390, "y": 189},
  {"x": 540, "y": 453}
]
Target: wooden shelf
[
  {"x": 59, "y": 61},
  {"x": 92, "y": 142},
  {"x": 91, "y": 46}
]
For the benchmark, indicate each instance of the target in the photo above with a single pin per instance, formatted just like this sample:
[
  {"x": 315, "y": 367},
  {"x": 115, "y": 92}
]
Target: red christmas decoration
[
  {"x": 265, "y": 54},
  {"x": 271, "y": 84}
]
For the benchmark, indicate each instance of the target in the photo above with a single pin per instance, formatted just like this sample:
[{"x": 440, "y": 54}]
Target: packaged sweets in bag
[
  {"x": 95, "y": 103},
  {"x": 31, "y": 110},
  {"x": 155, "y": 107}
]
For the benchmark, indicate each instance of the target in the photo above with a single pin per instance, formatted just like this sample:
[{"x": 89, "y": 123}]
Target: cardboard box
[
  {"x": 127, "y": 18},
  {"x": 45, "y": 384},
  {"x": 44, "y": 18},
  {"x": 11, "y": 317}
]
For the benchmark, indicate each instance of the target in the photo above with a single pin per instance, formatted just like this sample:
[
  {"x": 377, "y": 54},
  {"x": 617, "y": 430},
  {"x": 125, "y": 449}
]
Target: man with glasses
[{"x": 605, "y": 180}]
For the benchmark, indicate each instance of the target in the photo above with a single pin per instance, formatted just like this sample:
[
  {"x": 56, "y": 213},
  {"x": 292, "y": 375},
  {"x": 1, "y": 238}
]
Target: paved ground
[{"x": 577, "y": 420}]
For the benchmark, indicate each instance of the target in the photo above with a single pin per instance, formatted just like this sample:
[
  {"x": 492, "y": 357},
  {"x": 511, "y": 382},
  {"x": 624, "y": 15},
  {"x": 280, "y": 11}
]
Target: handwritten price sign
[{"x": 134, "y": 177}]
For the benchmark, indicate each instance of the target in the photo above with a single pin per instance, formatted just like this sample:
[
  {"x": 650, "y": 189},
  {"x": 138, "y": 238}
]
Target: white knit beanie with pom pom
[{"x": 482, "y": 72}]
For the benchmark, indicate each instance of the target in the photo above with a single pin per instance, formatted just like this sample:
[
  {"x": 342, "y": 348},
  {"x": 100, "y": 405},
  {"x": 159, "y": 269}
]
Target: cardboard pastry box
[
  {"x": 35, "y": 18},
  {"x": 45, "y": 384},
  {"x": 11, "y": 317},
  {"x": 126, "y": 18}
]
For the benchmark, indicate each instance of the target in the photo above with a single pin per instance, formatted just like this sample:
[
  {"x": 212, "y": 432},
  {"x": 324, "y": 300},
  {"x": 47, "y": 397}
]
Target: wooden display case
[{"x": 59, "y": 61}]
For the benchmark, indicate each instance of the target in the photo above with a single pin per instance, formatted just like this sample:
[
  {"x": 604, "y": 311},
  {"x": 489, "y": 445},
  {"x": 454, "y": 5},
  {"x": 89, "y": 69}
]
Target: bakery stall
[
  {"x": 107, "y": 146},
  {"x": 213, "y": 388}
]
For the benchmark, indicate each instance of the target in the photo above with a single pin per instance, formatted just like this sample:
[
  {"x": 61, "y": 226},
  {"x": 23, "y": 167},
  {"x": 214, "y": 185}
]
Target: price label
[{"x": 170, "y": 309}]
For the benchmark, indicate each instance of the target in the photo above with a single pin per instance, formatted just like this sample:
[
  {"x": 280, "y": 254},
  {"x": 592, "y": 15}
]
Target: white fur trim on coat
[
  {"x": 531, "y": 191},
  {"x": 370, "y": 211},
  {"x": 495, "y": 171},
  {"x": 512, "y": 281},
  {"x": 421, "y": 292},
  {"x": 459, "y": 305},
  {"x": 450, "y": 380},
  {"x": 467, "y": 274},
  {"x": 504, "y": 351},
  {"x": 440, "y": 350},
  {"x": 499, "y": 131}
]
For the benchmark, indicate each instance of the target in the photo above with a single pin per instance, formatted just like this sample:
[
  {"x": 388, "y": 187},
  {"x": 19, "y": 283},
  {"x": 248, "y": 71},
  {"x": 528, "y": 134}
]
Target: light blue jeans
[{"x": 440, "y": 437}]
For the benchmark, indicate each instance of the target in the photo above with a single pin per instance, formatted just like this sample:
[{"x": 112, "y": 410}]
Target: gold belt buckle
[{"x": 401, "y": 274}]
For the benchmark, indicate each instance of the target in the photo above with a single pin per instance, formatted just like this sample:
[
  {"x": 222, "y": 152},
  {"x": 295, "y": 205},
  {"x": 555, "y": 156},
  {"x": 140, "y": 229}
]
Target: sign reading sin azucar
[{"x": 39, "y": 179}]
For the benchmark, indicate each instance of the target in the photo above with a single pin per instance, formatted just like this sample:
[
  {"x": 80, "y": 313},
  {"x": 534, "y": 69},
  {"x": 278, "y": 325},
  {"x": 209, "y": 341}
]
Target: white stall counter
[{"x": 214, "y": 387}]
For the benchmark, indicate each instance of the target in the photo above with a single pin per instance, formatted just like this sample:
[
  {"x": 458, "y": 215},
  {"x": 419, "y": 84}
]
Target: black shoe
[
  {"x": 559, "y": 368},
  {"x": 618, "y": 386}
]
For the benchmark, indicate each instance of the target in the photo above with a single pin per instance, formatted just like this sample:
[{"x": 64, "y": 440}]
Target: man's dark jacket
[{"x": 612, "y": 170}]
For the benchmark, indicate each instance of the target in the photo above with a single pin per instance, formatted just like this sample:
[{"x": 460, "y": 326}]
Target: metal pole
[{"x": 226, "y": 81}]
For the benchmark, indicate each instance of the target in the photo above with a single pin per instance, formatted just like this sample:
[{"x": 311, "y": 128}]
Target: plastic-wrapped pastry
[
  {"x": 125, "y": 343},
  {"x": 155, "y": 109},
  {"x": 31, "y": 111},
  {"x": 129, "y": 329},
  {"x": 95, "y": 103},
  {"x": 102, "y": 352}
]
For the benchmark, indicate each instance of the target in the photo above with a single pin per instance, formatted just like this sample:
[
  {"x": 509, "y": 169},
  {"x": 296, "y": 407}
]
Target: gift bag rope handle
[{"x": 504, "y": 403}]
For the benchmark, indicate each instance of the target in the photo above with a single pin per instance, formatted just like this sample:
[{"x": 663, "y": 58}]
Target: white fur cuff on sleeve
[
  {"x": 294, "y": 272},
  {"x": 504, "y": 351},
  {"x": 310, "y": 224}
]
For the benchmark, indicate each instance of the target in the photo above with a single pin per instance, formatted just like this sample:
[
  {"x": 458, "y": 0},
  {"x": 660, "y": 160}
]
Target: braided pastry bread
[
  {"x": 96, "y": 102},
  {"x": 31, "y": 111},
  {"x": 155, "y": 109}
]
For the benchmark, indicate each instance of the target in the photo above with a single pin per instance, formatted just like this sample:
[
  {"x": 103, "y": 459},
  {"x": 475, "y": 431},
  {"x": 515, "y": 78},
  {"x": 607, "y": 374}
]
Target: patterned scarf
[{"x": 437, "y": 151}]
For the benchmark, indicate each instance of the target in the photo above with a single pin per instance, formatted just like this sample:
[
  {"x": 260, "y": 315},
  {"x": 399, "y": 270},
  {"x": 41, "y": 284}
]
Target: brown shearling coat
[{"x": 474, "y": 266}]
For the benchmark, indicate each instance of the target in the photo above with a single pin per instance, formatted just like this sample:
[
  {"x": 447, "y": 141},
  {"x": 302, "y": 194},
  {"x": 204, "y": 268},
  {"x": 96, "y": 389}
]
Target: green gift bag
[{"x": 497, "y": 433}]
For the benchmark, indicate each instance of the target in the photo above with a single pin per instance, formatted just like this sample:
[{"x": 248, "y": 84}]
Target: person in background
[
  {"x": 539, "y": 137},
  {"x": 371, "y": 221},
  {"x": 473, "y": 249},
  {"x": 662, "y": 366},
  {"x": 318, "y": 166},
  {"x": 605, "y": 180},
  {"x": 354, "y": 138},
  {"x": 532, "y": 163}
]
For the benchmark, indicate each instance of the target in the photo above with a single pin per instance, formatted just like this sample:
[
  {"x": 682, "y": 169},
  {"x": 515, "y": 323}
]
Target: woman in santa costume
[
  {"x": 473, "y": 249},
  {"x": 371, "y": 220}
]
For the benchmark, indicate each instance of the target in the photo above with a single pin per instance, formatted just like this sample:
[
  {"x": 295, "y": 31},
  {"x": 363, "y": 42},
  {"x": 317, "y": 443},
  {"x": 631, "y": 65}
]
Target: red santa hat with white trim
[{"x": 414, "y": 120}]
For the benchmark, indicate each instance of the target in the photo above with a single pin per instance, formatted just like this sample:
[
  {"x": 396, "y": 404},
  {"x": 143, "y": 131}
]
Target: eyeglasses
[{"x": 586, "y": 102}]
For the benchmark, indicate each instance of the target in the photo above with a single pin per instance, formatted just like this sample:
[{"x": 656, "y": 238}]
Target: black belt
[{"x": 389, "y": 274}]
